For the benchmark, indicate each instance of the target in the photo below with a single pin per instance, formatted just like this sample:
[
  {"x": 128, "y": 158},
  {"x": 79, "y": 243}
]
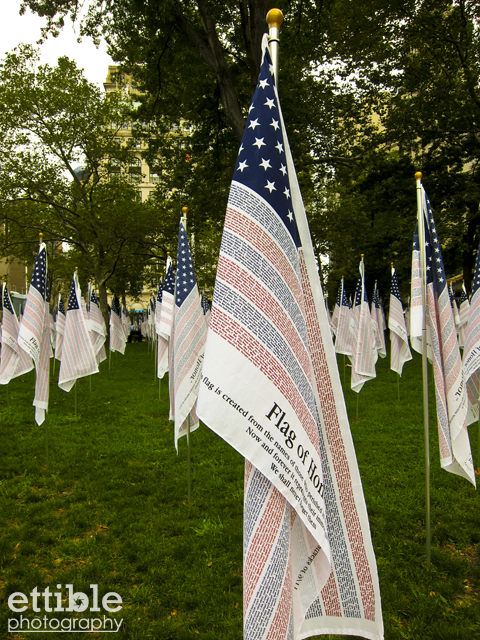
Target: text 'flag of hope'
[{"x": 270, "y": 387}]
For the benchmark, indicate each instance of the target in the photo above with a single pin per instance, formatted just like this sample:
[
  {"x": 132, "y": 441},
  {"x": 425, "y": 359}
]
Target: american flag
[
  {"x": 343, "y": 341},
  {"x": 336, "y": 311},
  {"x": 451, "y": 395},
  {"x": 117, "y": 335},
  {"x": 464, "y": 314},
  {"x": 165, "y": 316},
  {"x": 365, "y": 354},
  {"x": 34, "y": 333},
  {"x": 471, "y": 352},
  {"x": 378, "y": 322},
  {"x": 400, "y": 352},
  {"x": 453, "y": 302},
  {"x": 417, "y": 314},
  {"x": 206, "y": 308},
  {"x": 13, "y": 361},
  {"x": 59, "y": 328},
  {"x": 78, "y": 357},
  {"x": 97, "y": 328},
  {"x": 270, "y": 387},
  {"x": 189, "y": 332}
]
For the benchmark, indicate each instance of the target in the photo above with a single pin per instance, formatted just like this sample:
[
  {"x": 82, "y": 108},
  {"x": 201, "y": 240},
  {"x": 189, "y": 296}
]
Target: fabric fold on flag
[
  {"x": 189, "y": 332},
  {"x": 59, "y": 328},
  {"x": 97, "y": 328},
  {"x": 78, "y": 357},
  {"x": 164, "y": 325},
  {"x": 34, "y": 333},
  {"x": 378, "y": 323},
  {"x": 471, "y": 352},
  {"x": 14, "y": 361},
  {"x": 464, "y": 313},
  {"x": 400, "y": 351},
  {"x": 270, "y": 387},
  {"x": 453, "y": 410},
  {"x": 117, "y": 335}
]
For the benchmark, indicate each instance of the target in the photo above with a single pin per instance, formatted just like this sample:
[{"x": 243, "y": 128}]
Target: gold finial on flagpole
[
  {"x": 362, "y": 255},
  {"x": 418, "y": 175},
  {"x": 184, "y": 210},
  {"x": 391, "y": 264},
  {"x": 274, "y": 18}
]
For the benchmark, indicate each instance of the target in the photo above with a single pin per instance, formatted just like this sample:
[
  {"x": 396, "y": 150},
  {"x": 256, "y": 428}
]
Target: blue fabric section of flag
[
  {"x": 39, "y": 277},
  {"x": 262, "y": 164},
  {"x": 205, "y": 305},
  {"x": 116, "y": 307},
  {"x": 159, "y": 293},
  {"x": 186, "y": 280},
  {"x": 339, "y": 295},
  {"x": 7, "y": 304},
  {"x": 169, "y": 284},
  {"x": 434, "y": 254},
  {"x": 463, "y": 297},
  {"x": 376, "y": 298},
  {"x": 345, "y": 302},
  {"x": 476, "y": 280},
  {"x": 358, "y": 291},
  {"x": 93, "y": 298},
  {"x": 72, "y": 298},
  {"x": 395, "y": 288}
]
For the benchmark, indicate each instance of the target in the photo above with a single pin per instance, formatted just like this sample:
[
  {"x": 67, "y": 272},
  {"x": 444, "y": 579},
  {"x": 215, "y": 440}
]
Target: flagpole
[
  {"x": 274, "y": 21},
  {"x": 421, "y": 241}
]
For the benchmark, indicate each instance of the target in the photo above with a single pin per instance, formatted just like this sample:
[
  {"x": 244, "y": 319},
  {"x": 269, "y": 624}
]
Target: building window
[{"x": 154, "y": 177}]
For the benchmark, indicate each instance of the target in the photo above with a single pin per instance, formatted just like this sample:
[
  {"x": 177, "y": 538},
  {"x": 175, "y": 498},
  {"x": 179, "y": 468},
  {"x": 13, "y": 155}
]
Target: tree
[{"x": 52, "y": 120}]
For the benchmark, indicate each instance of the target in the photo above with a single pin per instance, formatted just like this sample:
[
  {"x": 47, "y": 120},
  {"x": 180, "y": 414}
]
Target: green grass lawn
[{"x": 111, "y": 509}]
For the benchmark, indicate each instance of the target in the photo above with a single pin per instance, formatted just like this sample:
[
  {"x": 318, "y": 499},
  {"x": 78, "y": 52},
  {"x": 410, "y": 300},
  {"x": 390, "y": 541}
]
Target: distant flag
[
  {"x": 344, "y": 339},
  {"x": 188, "y": 341},
  {"x": 471, "y": 352},
  {"x": 336, "y": 310},
  {"x": 365, "y": 354},
  {"x": 164, "y": 319},
  {"x": 416, "y": 302},
  {"x": 451, "y": 395},
  {"x": 34, "y": 333},
  {"x": 158, "y": 306},
  {"x": 59, "y": 328},
  {"x": 400, "y": 352},
  {"x": 97, "y": 328},
  {"x": 453, "y": 301},
  {"x": 14, "y": 361},
  {"x": 206, "y": 308},
  {"x": 78, "y": 357},
  {"x": 270, "y": 387},
  {"x": 378, "y": 323},
  {"x": 464, "y": 314},
  {"x": 117, "y": 335}
]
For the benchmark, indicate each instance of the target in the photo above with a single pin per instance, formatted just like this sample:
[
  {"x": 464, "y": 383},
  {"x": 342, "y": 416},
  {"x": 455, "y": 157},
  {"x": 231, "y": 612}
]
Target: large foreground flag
[
  {"x": 189, "y": 333},
  {"x": 400, "y": 352},
  {"x": 270, "y": 387},
  {"x": 78, "y": 357},
  {"x": 453, "y": 412},
  {"x": 34, "y": 333},
  {"x": 14, "y": 361}
]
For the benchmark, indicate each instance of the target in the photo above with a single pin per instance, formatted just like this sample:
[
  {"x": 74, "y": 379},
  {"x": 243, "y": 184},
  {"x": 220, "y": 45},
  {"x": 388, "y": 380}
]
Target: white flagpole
[{"x": 421, "y": 241}]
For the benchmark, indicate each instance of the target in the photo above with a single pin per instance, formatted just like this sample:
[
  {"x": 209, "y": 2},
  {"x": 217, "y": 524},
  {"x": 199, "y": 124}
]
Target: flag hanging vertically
[
  {"x": 117, "y": 336},
  {"x": 336, "y": 310},
  {"x": 343, "y": 340},
  {"x": 97, "y": 328},
  {"x": 206, "y": 308},
  {"x": 59, "y": 328},
  {"x": 471, "y": 352},
  {"x": 164, "y": 327},
  {"x": 78, "y": 357},
  {"x": 189, "y": 332},
  {"x": 34, "y": 333},
  {"x": 365, "y": 353},
  {"x": 464, "y": 313},
  {"x": 14, "y": 361},
  {"x": 378, "y": 323},
  {"x": 453, "y": 412},
  {"x": 400, "y": 352},
  {"x": 270, "y": 387}
]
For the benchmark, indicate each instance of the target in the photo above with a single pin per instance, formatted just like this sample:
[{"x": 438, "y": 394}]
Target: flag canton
[
  {"x": 39, "y": 277},
  {"x": 339, "y": 295},
  {"x": 463, "y": 297},
  {"x": 185, "y": 275},
  {"x": 72, "y": 298},
  {"x": 345, "y": 302},
  {"x": 93, "y": 298},
  {"x": 434, "y": 255},
  {"x": 476, "y": 279},
  {"x": 395, "y": 288},
  {"x": 358, "y": 291},
  {"x": 169, "y": 284},
  {"x": 376, "y": 298},
  {"x": 7, "y": 303},
  {"x": 205, "y": 305},
  {"x": 262, "y": 164},
  {"x": 61, "y": 306},
  {"x": 159, "y": 292}
]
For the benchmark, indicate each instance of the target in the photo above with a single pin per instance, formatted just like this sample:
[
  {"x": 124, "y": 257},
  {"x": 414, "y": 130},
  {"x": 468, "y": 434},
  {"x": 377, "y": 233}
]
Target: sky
[{"x": 16, "y": 29}]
